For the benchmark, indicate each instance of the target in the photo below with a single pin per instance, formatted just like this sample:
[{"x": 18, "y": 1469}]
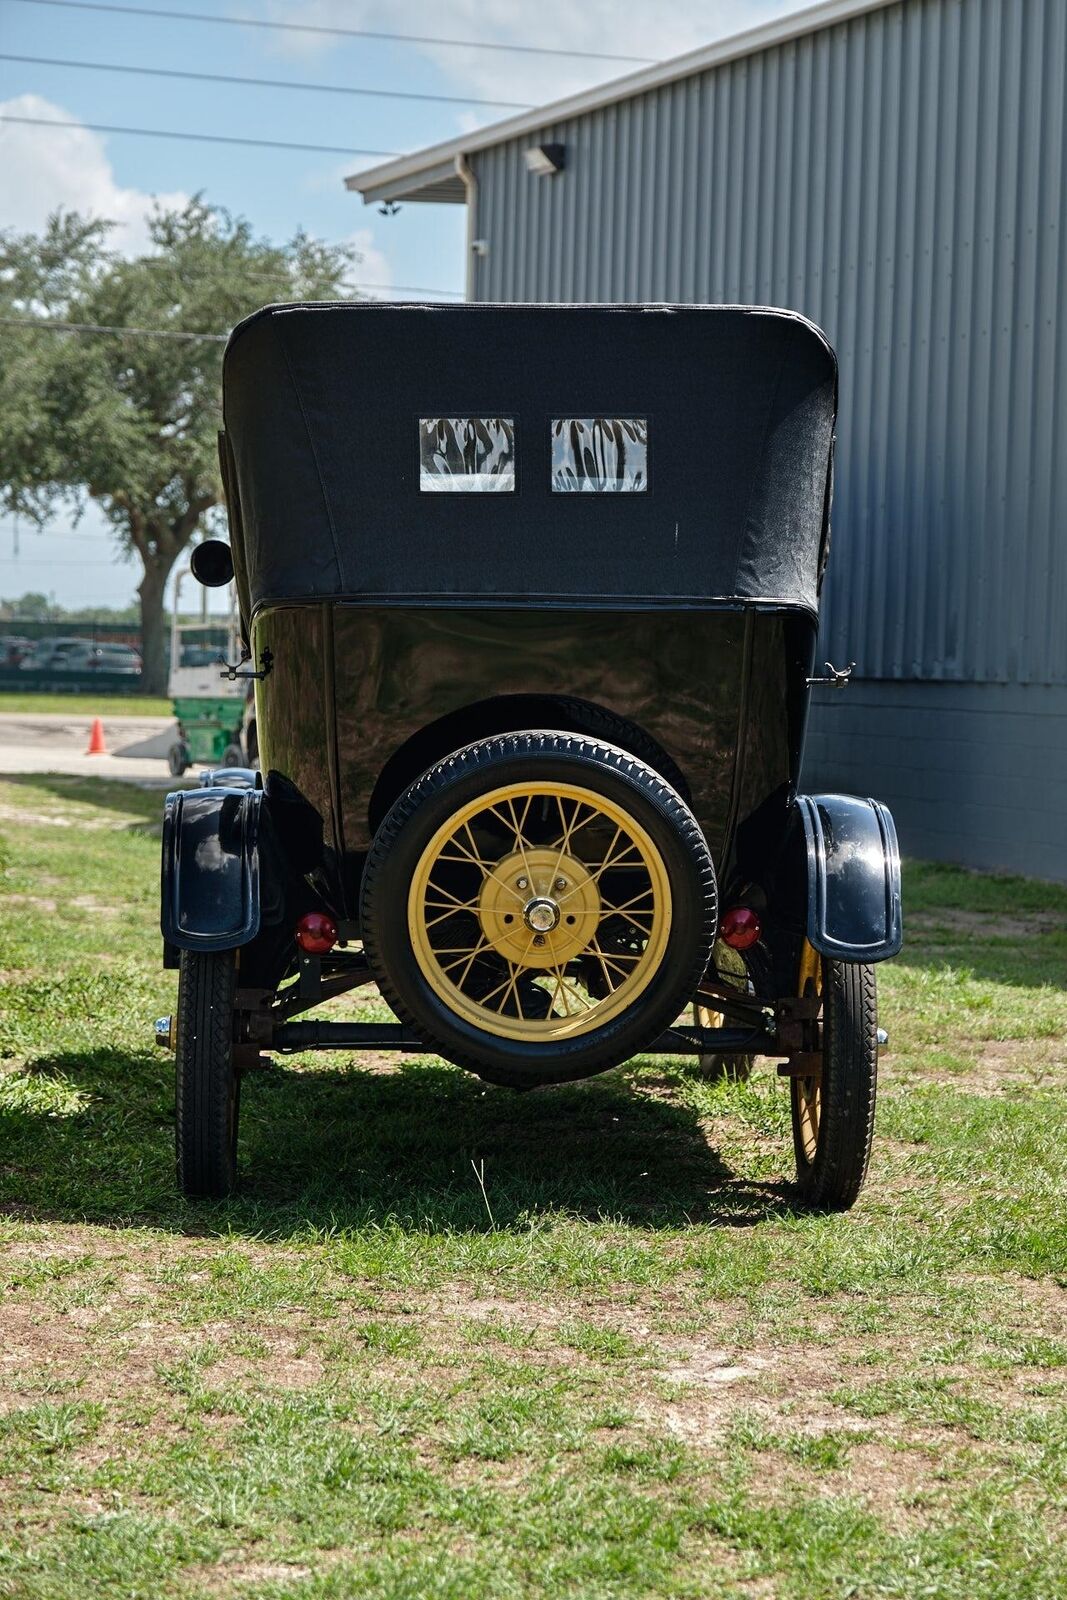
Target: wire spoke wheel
[
  {"x": 539, "y": 910},
  {"x": 539, "y": 906},
  {"x": 807, "y": 1092}
]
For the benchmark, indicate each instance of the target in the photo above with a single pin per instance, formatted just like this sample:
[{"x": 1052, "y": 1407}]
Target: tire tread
[{"x": 205, "y": 1074}]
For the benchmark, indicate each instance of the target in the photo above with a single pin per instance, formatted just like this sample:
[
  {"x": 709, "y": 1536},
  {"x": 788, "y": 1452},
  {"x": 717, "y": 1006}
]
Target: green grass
[
  {"x": 645, "y": 1374},
  {"x": 87, "y": 705}
]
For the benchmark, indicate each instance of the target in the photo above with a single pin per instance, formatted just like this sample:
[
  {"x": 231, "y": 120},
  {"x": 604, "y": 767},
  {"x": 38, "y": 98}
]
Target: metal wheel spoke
[
  {"x": 651, "y": 912},
  {"x": 479, "y": 949},
  {"x": 602, "y": 958},
  {"x": 512, "y": 989},
  {"x": 619, "y": 861},
  {"x": 585, "y": 1002},
  {"x": 569, "y": 829},
  {"x": 628, "y": 918},
  {"x": 452, "y": 911},
  {"x": 485, "y": 998},
  {"x": 613, "y": 961},
  {"x": 520, "y": 838},
  {"x": 449, "y": 898},
  {"x": 561, "y": 993}
]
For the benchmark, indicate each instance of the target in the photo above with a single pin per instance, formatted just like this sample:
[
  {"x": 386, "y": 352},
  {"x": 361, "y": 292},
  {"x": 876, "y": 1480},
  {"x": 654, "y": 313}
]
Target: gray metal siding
[{"x": 900, "y": 178}]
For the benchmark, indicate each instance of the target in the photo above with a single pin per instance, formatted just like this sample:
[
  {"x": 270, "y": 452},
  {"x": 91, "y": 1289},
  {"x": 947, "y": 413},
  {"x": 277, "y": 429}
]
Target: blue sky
[{"x": 279, "y": 191}]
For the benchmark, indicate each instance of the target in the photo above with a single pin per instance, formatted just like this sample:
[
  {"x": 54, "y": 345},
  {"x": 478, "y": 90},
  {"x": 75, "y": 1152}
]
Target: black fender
[
  {"x": 210, "y": 884},
  {"x": 853, "y": 877}
]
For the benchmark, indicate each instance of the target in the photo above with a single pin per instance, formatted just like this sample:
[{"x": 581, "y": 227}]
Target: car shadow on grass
[
  {"x": 425, "y": 1148},
  {"x": 128, "y": 797}
]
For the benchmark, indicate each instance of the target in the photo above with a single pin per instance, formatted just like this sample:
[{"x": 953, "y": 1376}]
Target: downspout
[{"x": 466, "y": 175}]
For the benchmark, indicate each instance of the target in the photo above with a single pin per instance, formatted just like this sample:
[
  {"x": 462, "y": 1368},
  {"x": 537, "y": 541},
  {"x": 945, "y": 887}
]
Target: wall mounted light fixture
[{"x": 545, "y": 160}]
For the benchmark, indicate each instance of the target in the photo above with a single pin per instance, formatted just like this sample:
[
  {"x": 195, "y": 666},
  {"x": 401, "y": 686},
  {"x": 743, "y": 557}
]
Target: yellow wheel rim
[
  {"x": 808, "y": 1090},
  {"x": 539, "y": 911}
]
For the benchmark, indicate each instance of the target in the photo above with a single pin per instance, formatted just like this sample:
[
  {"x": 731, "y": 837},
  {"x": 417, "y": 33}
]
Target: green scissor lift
[{"x": 210, "y": 710}]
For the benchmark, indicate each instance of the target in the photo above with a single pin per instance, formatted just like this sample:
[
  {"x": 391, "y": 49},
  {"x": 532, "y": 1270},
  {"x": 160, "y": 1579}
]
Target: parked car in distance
[
  {"x": 121, "y": 658},
  {"x": 50, "y": 653},
  {"x": 14, "y": 650},
  {"x": 79, "y": 658}
]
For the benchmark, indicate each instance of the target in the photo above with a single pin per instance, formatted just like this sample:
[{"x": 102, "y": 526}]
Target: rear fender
[
  {"x": 210, "y": 889},
  {"x": 853, "y": 877}
]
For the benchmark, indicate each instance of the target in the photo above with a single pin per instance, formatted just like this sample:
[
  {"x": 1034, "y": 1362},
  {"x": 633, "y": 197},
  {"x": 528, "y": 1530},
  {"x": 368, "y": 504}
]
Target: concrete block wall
[{"x": 973, "y": 773}]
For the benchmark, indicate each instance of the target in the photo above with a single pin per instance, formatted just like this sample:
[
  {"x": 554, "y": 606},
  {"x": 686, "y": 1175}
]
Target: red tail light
[
  {"x": 316, "y": 933},
  {"x": 740, "y": 928}
]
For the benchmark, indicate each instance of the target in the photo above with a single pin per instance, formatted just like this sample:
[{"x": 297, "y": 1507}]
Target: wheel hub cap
[
  {"x": 541, "y": 916},
  {"x": 539, "y": 908}
]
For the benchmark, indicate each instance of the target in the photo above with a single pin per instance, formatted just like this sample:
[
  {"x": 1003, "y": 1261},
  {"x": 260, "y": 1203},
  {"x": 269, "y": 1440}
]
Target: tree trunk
[{"x": 151, "y": 590}]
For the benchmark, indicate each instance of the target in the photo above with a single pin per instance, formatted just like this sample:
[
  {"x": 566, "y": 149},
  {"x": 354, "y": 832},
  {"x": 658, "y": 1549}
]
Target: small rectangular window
[
  {"x": 598, "y": 455},
  {"x": 467, "y": 455}
]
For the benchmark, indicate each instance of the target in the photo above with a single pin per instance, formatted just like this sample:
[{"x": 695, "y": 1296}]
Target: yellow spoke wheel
[
  {"x": 539, "y": 910},
  {"x": 729, "y": 964},
  {"x": 807, "y": 1092},
  {"x": 539, "y": 906}
]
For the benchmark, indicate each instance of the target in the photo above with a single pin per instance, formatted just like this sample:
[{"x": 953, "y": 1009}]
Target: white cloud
[
  {"x": 667, "y": 28},
  {"x": 373, "y": 267},
  {"x": 43, "y": 169}
]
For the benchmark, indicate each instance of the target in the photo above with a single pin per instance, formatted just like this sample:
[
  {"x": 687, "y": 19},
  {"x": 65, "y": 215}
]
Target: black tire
[
  {"x": 177, "y": 759},
  {"x": 533, "y": 757},
  {"x": 208, "y": 1086},
  {"x": 600, "y": 723},
  {"x": 233, "y": 756},
  {"x": 830, "y": 1178}
]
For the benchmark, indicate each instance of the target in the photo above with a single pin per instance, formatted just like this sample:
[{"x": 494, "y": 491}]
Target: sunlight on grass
[{"x": 638, "y": 1371}]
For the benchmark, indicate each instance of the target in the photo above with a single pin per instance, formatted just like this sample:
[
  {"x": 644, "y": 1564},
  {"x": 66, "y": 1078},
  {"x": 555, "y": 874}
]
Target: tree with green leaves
[{"x": 110, "y": 373}]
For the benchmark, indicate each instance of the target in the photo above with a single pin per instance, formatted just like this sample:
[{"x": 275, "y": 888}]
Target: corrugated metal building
[{"x": 897, "y": 172}]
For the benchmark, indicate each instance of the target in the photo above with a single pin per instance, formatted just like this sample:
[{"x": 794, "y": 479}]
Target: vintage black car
[{"x": 530, "y": 599}]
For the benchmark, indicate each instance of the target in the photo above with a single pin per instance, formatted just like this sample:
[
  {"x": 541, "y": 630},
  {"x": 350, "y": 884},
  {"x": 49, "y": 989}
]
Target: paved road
[{"x": 55, "y": 742}]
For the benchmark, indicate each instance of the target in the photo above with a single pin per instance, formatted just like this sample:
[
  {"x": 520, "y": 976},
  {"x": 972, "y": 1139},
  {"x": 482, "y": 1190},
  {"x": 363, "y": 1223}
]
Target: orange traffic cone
[{"x": 97, "y": 747}]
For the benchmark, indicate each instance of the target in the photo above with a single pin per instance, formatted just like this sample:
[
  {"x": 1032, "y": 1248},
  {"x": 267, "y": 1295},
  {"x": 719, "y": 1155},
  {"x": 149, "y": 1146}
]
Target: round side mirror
[{"x": 211, "y": 563}]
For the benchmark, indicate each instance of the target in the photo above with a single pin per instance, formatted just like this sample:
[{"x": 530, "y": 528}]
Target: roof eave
[{"x": 411, "y": 177}]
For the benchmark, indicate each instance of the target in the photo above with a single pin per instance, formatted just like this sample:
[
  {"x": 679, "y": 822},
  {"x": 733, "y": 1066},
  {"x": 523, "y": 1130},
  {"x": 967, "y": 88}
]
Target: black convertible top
[{"x": 718, "y": 419}]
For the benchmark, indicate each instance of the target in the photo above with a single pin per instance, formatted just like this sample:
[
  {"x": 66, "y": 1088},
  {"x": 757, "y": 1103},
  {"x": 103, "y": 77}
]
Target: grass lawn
[
  {"x": 87, "y": 705},
  {"x": 629, "y": 1368}
]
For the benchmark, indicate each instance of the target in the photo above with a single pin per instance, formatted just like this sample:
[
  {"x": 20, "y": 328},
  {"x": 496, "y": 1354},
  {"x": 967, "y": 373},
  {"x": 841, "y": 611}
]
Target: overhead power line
[
  {"x": 344, "y": 33},
  {"x": 55, "y": 325},
  {"x": 51, "y": 325},
  {"x": 200, "y": 138},
  {"x": 264, "y": 83},
  {"x": 286, "y": 278}
]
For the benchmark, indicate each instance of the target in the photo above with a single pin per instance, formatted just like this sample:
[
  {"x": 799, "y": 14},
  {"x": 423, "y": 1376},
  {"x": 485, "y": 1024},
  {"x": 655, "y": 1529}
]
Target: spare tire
[{"x": 539, "y": 907}]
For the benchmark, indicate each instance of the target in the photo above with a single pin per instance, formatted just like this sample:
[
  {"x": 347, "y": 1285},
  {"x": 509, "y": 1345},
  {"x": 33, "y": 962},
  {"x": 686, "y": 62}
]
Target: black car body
[{"x": 560, "y": 558}]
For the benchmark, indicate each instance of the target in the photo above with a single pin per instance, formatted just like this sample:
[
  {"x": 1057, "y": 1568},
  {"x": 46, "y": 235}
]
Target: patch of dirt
[
  {"x": 1007, "y": 1064},
  {"x": 282, "y": 1368},
  {"x": 82, "y": 902},
  {"x": 85, "y": 823},
  {"x": 228, "y": 1574},
  {"x": 985, "y": 924}
]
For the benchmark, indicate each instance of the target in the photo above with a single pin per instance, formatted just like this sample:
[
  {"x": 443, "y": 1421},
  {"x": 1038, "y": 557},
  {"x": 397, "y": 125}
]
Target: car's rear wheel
[
  {"x": 833, "y": 1112},
  {"x": 539, "y": 906},
  {"x": 208, "y": 1086}
]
